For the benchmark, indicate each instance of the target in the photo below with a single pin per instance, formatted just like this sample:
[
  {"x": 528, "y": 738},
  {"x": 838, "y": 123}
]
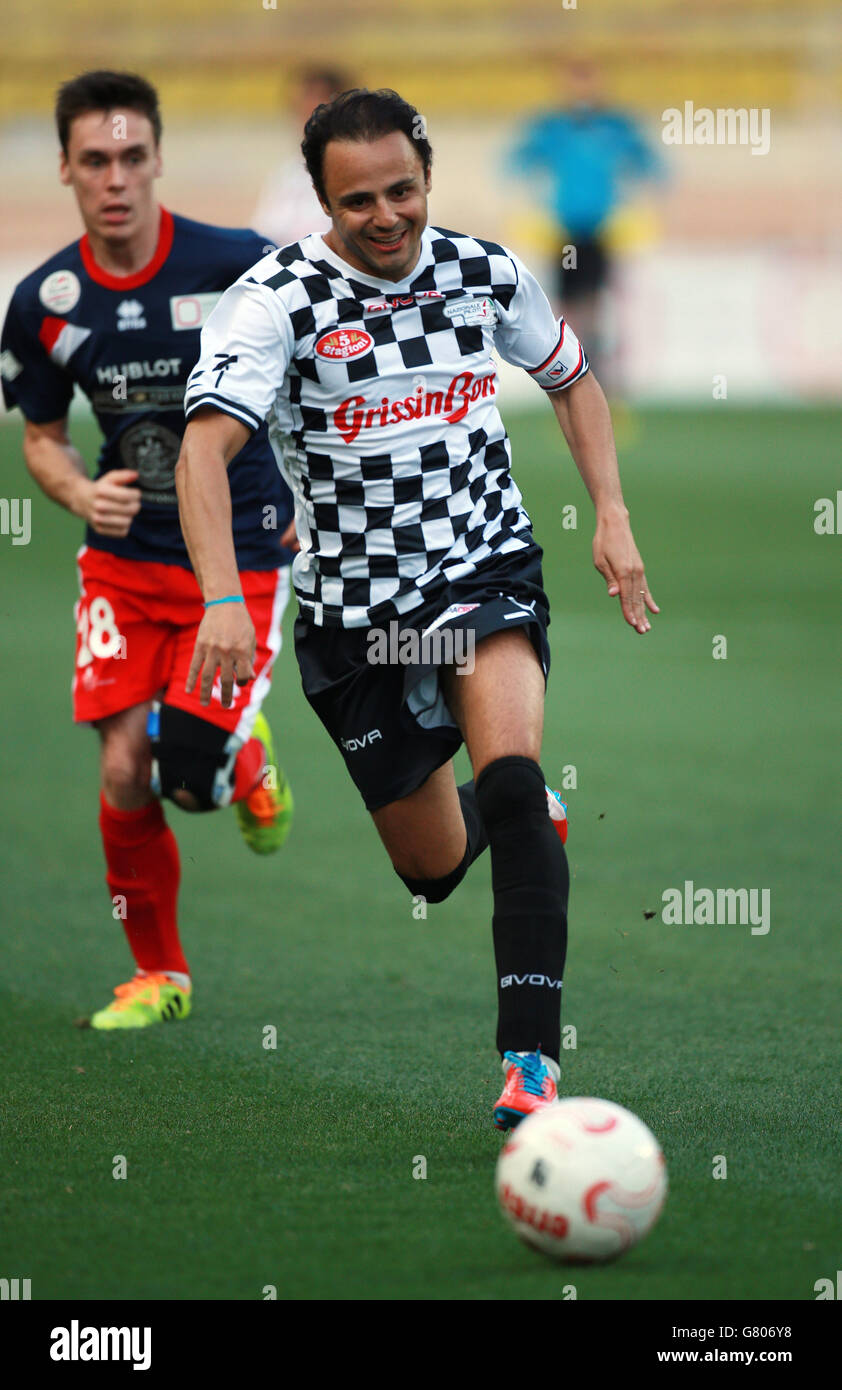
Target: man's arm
[
  {"x": 582, "y": 411},
  {"x": 108, "y": 505},
  {"x": 225, "y": 639}
]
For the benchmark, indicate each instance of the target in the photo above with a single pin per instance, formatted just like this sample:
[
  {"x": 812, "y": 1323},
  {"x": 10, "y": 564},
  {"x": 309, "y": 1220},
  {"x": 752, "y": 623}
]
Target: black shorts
[
  {"x": 591, "y": 271},
  {"x": 377, "y": 691}
]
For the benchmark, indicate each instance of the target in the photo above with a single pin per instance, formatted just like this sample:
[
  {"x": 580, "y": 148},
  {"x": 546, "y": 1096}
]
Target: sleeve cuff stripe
[
  {"x": 533, "y": 371},
  {"x": 582, "y": 366},
  {"x": 233, "y": 408}
]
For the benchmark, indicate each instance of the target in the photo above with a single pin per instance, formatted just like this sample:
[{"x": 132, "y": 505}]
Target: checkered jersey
[{"x": 381, "y": 402}]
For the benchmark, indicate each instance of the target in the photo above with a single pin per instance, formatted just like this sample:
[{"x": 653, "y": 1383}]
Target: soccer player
[
  {"x": 119, "y": 313},
  {"x": 593, "y": 155},
  {"x": 368, "y": 351}
]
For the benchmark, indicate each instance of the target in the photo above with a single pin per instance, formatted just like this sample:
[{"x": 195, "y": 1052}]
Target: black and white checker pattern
[{"x": 381, "y": 405}]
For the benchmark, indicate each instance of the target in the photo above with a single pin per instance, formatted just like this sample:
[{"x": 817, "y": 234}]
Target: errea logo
[{"x": 130, "y": 314}]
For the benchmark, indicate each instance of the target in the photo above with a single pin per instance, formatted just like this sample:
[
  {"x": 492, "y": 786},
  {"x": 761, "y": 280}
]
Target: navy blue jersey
[{"x": 130, "y": 344}]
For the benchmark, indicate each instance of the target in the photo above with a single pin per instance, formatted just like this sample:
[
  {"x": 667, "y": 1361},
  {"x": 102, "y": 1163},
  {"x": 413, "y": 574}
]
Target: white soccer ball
[{"x": 582, "y": 1180}]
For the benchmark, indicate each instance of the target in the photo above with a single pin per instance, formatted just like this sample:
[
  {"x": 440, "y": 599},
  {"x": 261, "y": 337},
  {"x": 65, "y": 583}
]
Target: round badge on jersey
[
  {"x": 343, "y": 343},
  {"x": 60, "y": 291}
]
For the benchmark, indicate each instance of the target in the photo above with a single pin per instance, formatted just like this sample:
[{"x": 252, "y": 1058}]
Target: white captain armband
[{"x": 565, "y": 364}]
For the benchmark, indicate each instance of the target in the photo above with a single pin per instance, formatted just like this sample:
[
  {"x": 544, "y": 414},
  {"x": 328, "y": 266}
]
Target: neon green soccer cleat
[
  {"x": 142, "y": 1001},
  {"x": 265, "y": 815}
]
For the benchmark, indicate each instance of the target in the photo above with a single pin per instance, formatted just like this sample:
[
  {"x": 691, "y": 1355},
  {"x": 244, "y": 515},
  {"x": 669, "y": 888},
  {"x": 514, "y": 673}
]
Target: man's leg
[
  {"x": 140, "y": 849},
  {"x": 500, "y": 710},
  {"x": 142, "y": 874},
  {"x": 424, "y": 833},
  {"x": 582, "y": 292}
]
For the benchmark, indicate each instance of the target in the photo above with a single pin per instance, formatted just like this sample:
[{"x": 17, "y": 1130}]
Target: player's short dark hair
[
  {"x": 104, "y": 90},
  {"x": 363, "y": 116}
]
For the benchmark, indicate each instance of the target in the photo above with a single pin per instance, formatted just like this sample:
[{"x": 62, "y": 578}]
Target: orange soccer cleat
[
  {"x": 265, "y": 815},
  {"x": 530, "y": 1085},
  {"x": 148, "y": 998},
  {"x": 558, "y": 813}
]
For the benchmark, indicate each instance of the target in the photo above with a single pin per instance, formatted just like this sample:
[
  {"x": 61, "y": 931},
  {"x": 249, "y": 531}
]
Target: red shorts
[{"x": 136, "y": 625}]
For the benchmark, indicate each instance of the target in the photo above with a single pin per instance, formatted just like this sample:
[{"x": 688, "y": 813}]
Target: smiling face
[
  {"x": 376, "y": 195},
  {"x": 111, "y": 164}
]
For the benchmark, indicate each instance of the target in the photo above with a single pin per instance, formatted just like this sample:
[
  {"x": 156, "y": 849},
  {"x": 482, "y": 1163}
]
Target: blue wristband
[{"x": 231, "y": 598}]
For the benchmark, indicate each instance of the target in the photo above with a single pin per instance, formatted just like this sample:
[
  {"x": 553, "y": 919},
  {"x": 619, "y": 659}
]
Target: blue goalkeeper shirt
[{"x": 588, "y": 152}]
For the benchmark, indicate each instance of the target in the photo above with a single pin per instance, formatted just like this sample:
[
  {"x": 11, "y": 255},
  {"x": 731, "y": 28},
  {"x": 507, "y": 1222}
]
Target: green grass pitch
[{"x": 293, "y": 1167}]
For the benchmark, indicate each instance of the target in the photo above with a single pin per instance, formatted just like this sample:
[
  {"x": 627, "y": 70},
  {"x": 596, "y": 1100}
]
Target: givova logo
[
  {"x": 75, "y": 1343},
  {"x": 353, "y": 745},
  {"x": 506, "y": 981}
]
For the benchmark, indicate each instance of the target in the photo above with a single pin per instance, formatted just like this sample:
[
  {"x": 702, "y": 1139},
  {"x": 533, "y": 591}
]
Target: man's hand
[
  {"x": 583, "y": 414},
  {"x": 618, "y": 560},
  {"x": 110, "y": 504},
  {"x": 225, "y": 642}
]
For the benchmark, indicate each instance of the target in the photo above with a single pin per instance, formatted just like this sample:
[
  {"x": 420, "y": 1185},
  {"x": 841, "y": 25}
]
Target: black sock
[
  {"x": 477, "y": 836},
  {"x": 530, "y": 879}
]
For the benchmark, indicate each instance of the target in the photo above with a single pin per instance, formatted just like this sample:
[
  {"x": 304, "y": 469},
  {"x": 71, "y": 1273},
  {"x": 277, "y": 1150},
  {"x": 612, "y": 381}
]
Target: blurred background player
[
  {"x": 288, "y": 208},
  {"x": 590, "y": 155},
  {"x": 119, "y": 314}
]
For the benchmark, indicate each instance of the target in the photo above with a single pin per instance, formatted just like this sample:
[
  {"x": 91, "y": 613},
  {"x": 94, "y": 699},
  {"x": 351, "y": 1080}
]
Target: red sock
[
  {"x": 248, "y": 768},
  {"x": 143, "y": 870}
]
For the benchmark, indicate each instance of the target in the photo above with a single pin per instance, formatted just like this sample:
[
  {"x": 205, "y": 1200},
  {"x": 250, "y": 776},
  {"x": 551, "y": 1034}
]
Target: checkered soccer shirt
[{"x": 381, "y": 403}]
